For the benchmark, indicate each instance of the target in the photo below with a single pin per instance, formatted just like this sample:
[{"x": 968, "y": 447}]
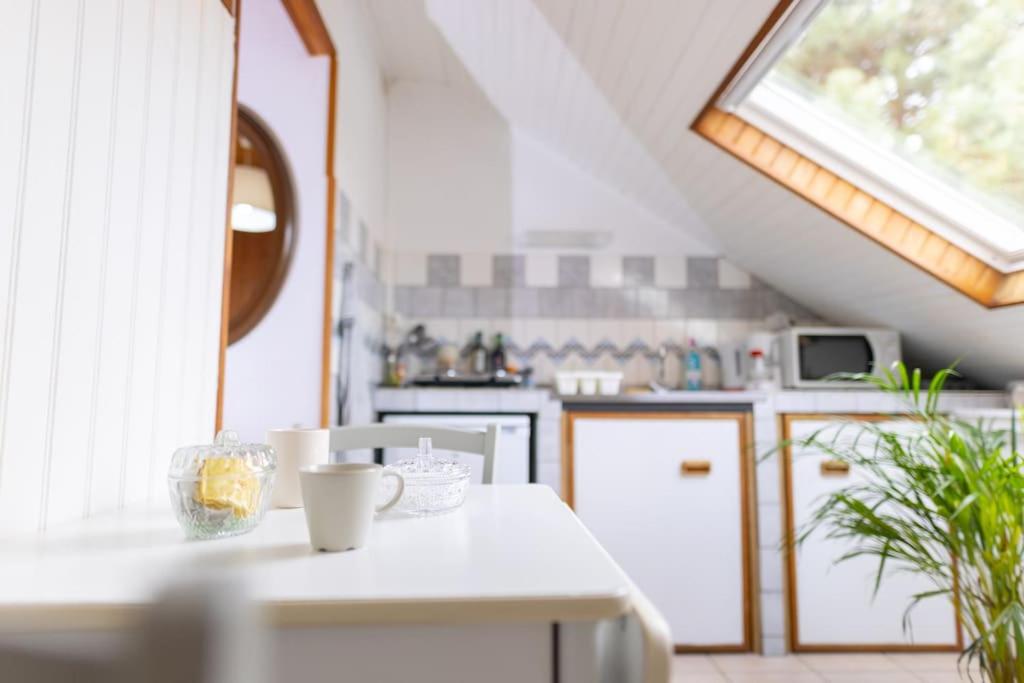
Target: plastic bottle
[
  {"x": 693, "y": 372},
  {"x": 759, "y": 380}
]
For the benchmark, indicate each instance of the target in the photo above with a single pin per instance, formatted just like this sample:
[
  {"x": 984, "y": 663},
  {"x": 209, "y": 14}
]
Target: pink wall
[{"x": 272, "y": 376}]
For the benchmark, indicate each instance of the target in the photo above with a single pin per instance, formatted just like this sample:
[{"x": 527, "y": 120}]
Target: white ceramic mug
[
  {"x": 340, "y": 502},
  {"x": 295, "y": 448}
]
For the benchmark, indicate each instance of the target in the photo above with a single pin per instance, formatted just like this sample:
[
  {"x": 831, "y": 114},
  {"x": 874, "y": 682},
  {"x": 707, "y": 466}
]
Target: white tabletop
[{"x": 510, "y": 553}]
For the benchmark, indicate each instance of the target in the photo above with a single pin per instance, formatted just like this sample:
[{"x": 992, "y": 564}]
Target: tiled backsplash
[
  {"x": 582, "y": 287},
  {"x": 575, "y": 311}
]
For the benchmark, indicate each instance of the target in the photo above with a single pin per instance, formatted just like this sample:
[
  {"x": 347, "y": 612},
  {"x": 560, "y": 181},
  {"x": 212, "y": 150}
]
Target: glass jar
[
  {"x": 221, "y": 489},
  {"x": 432, "y": 484}
]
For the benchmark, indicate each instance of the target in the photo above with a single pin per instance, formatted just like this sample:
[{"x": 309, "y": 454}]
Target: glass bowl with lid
[
  {"x": 221, "y": 489},
  {"x": 432, "y": 485}
]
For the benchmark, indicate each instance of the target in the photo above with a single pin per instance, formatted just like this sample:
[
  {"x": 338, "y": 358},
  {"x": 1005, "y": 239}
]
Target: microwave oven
[{"x": 809, "y": 355}]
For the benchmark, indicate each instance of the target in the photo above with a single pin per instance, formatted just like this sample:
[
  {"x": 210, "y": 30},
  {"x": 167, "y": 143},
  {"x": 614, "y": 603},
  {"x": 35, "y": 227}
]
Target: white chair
[
  {"x": 407, "y": 436},
  {"x": 205, "y": 632}
]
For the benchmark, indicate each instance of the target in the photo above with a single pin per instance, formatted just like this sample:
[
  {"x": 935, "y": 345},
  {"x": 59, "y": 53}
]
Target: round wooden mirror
[{"x": 263, "y": 224}]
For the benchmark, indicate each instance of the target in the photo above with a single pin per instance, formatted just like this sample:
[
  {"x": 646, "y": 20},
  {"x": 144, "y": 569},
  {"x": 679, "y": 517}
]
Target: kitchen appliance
[
  {"x": 809, "y": 355},
  {"x": 732, "y": 356},
  {"x": 742, "y": 361},
  {"x": 512, "y": 461},
  {"x": 457, "y": 379}
]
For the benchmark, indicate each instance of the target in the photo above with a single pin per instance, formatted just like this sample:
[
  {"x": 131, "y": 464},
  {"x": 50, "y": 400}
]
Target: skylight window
[{"x": 920, "y": 102}]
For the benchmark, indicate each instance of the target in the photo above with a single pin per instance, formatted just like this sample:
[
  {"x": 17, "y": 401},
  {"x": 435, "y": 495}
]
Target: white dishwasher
[{"x": 512, "y": 460}]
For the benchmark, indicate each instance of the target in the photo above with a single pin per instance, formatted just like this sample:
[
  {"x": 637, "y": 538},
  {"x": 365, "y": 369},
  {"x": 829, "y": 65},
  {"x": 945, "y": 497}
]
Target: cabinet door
[
  {"x": 681, "y": 536},
  {"x": 835, "y": 605}
]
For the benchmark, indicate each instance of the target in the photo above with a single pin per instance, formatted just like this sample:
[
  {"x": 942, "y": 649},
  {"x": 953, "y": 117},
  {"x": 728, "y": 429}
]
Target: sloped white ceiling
[
  {"x": 410, "y": 48},
  {"x": 550, "y": 193},
  {"x": 529, "y": 73},
  {"x": 614, "y": 87}
]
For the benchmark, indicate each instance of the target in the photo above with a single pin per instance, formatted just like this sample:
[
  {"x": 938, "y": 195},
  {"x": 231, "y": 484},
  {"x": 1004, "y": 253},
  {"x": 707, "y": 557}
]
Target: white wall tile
[
  {"x": 410, "y": 268},
  {"x": 733, "y": 330},
  {"x": 517, "y": 332},
  {"x": 773, "y": 619},
  {"x": 769, "y": 522},
  {"x": 704, "y": 331},
  {"x": 445, "y": 328},
  {"x": 602, "y": 330},
  {"x": 731, "y": 277},
  {"x": 670, "y": 271},
  {"x": 770, "y": 561},
  {"x": 642, "y": 330},
  {"x": 477, "y": 270},
  {"x": 605, "y": 270},
  {"x": 570, "y": 329},
  {"x": 773, "y": 646},
  {"x": 768, "y": 476},
  {"x": 549, "y": 474},
  {"x": 670, "y": 331},
  {"x": 541, "y": 270}
]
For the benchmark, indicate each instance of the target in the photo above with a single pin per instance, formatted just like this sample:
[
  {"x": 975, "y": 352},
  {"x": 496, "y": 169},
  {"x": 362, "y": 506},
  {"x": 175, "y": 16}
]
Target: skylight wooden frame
[{"x": 842, "y": 199}]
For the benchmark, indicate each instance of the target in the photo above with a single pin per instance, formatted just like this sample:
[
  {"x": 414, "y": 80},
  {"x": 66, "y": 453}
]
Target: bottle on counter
[
  {"x": 759, "y": 379},
  {"x": 394, "y": 368},
  {"x": 477, "y": 355},
  {"x": 710, "y": 369},
  {"x": 498, "y": 361},
  {"x": 693, "y": 371}
]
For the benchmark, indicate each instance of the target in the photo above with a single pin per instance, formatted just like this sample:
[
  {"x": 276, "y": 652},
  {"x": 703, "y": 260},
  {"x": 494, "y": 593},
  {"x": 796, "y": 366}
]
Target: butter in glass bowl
[{"x": 221, "y": 489}]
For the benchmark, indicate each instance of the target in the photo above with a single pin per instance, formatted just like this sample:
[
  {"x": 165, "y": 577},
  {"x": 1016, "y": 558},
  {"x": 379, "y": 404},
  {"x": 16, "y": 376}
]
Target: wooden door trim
[
  {"x": 328, "y": 314},
  {"x": 313, "y": 30},
  {"x": 225, "y": 292},
  {"x": 786, "y": 421},
  {"x": 748, "y": 504}
]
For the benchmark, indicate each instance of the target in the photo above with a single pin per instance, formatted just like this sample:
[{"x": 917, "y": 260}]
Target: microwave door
[{"x": 821, "y": 356}]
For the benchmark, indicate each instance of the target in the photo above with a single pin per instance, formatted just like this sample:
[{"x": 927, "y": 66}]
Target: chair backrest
[{"x": 407, "y": 436}]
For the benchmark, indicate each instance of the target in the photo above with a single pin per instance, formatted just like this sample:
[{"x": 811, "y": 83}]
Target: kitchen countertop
[
  {"x": 511, "y": 553},
  {"x": 538, "y": 399}
]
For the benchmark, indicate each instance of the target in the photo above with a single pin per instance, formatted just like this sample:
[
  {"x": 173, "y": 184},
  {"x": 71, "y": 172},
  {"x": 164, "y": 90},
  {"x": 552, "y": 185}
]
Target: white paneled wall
[{"x": 114, "y": 139}]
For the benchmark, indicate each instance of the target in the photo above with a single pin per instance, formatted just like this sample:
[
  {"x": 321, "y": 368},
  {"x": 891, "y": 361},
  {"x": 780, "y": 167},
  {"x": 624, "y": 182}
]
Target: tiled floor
[{"x": 838, "y": 668}]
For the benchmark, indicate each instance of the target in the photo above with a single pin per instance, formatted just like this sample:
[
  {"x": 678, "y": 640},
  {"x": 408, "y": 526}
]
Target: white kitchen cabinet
[
  {"x": 832, "y": 606},
  {"x": 666, "y": 494}
]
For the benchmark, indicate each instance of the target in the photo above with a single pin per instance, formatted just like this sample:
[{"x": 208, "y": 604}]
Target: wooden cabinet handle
[
  {"x": 834, "y": 468},
  {"x": 690, "y": 467}
]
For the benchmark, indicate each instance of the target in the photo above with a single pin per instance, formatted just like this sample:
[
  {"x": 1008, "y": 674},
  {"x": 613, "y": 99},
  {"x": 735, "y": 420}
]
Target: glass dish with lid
[
  {"x": 221, "y": 489},
  {"x": 432, "y": 485}
]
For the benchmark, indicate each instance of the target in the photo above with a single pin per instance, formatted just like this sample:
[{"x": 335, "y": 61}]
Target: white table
[{"x": 509, "y": 587}]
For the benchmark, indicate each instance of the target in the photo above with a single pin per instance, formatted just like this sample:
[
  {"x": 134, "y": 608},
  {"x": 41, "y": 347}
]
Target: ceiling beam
[{"x": 311, "y": 27}]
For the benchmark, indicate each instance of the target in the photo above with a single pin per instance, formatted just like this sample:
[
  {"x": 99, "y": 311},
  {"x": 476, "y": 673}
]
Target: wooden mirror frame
[{"x": 245, "y": 261}]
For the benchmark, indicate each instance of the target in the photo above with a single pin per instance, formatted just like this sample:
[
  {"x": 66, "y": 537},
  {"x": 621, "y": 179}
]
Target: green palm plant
[{"x": 945, "y": 501}]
